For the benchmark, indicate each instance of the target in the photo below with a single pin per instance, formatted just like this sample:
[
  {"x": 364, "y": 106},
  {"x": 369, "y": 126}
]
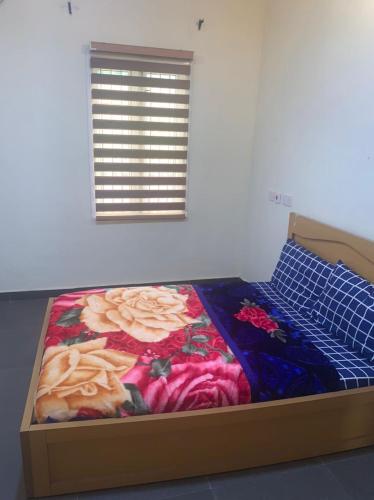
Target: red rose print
[
  {"x": 89, "y": 413},
  {"x": 192, "y": 386},
  {"x": 269, "y": 325},
  {"x": 257, "y": 317}
]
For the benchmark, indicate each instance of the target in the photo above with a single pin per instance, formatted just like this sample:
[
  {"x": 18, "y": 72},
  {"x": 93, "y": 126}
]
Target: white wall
[
  {"x": 48, "y": 238},
  {"x": 313, "y": 140},
  {"x": 315, "y": 123}
]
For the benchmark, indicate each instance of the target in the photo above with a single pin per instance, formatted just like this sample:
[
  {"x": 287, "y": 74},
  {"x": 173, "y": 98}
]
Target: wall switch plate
[{"x": 287, "y": 200}]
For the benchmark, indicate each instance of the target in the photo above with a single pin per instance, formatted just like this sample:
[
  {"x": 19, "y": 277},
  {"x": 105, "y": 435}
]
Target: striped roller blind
[{"x": 140, "y": 106}]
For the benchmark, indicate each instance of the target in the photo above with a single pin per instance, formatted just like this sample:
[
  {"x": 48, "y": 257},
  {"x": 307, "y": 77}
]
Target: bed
[{"x": 71, "y": 456}]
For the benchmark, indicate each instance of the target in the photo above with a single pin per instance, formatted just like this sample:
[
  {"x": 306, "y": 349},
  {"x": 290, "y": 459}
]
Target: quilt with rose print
[
  {"x": 278, "y": 359},
  {"x": 140, "y": 350}
]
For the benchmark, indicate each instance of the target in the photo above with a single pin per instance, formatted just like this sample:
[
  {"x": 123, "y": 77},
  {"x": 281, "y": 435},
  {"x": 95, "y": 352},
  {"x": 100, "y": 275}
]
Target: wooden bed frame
[{"x": 87, "y": 455}]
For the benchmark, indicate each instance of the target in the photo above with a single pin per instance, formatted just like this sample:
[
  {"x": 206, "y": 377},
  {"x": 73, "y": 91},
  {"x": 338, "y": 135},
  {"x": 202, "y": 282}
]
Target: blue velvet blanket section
[{"x": 278, "y": 360}]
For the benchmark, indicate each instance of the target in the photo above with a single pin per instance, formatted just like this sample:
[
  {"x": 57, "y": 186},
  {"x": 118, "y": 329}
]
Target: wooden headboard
[{"x": 333, "y": 244}]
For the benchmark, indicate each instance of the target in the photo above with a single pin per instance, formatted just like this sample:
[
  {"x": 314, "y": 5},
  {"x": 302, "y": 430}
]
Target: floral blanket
[
  {"x": 134, "y": 351},
  {"x": 278, "y": 359},
  {"x": 140, "y": 350}
]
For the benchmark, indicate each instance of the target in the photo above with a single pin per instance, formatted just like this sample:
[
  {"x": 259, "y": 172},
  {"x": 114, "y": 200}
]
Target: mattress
[
  {"x": 354, "y": 371},
  {"x": 128, "y": 351}
]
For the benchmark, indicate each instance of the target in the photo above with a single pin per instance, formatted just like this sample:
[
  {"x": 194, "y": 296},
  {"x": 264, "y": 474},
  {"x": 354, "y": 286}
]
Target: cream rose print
[
  {"x": 84, "y": 375},
  {"x": 148, "y": 314}
]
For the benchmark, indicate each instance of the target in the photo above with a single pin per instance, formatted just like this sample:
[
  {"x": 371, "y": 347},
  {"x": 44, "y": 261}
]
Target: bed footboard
[{"x": 77, "y": 456}]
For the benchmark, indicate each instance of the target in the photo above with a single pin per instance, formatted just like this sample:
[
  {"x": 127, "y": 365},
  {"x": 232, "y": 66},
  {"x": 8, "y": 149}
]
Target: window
[{"x": 140, "y": 107}]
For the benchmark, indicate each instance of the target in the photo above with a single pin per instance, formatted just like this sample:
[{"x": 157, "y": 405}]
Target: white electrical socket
[
  {"x": 272, "y": 196},
  {"x": 280, "y": 198}
]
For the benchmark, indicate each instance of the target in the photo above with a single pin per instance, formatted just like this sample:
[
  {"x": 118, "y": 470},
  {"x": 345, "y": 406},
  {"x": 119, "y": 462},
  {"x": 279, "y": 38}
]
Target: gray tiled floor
[{"x": 342, "y": 477}]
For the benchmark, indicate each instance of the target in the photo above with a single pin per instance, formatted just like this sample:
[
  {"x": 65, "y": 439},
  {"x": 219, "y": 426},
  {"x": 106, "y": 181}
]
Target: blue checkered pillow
[
  {"x": 300, "y": 276},
  {"x": 346, "y": 309}
]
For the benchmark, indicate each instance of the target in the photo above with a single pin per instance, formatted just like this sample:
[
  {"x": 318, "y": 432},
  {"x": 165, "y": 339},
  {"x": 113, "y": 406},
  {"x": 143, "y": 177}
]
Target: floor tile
[
  {"x": 355, "y": 471},
  {"x": 308, "y": 480},
  {"x": 358, "y": 454},
  {"x": 198, "y": 495},
  {"x": 60, "y": 497},
  {"x": 14, "y": 384},
  {"x": 25, "y": 314},
  {"x": 155, "y": 491},
  {"x": 11, "y": 476},
  {"x": 17, "y": 351}
]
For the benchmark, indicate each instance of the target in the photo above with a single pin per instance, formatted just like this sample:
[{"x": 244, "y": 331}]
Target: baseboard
[{"x": 42, "y": 294}]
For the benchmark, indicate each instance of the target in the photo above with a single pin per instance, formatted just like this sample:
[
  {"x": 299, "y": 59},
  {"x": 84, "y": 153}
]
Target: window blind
[{"x": 140, "y": 110}]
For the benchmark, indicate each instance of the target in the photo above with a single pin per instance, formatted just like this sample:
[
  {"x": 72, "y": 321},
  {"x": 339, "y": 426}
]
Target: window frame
[{"x": 173, "y": 139}]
